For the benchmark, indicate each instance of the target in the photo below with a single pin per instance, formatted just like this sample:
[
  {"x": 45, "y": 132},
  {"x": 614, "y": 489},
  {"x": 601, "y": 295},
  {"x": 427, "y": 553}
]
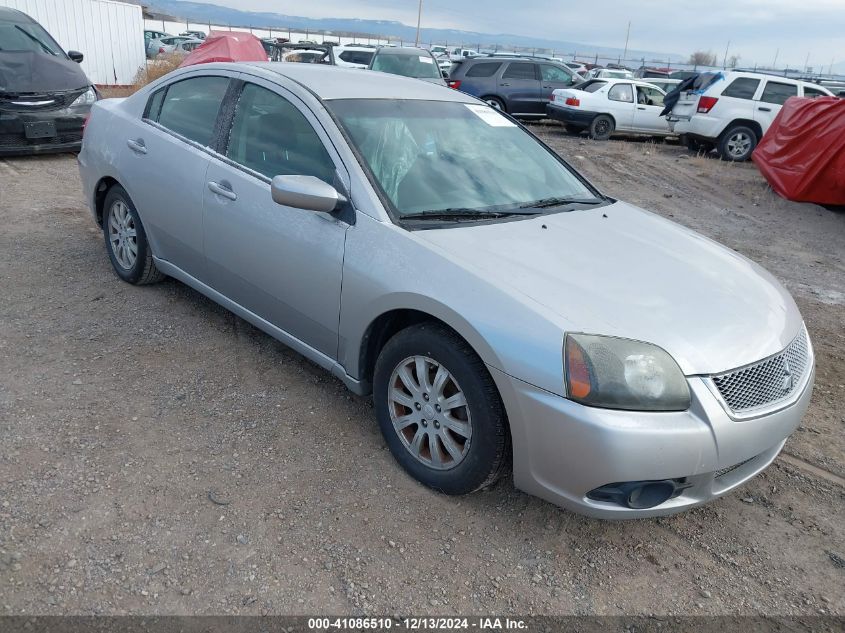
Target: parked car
[
  {"x": 459, "y": 53},
  {"x": 422, "y": 247},
  {"x": 197, "y": 35},
  {"x": 186, "y": 46},
  {"x": 683, "y": 74},
  {"x": 302, "y": 53},
  {"x": 417, "y": 63},
  {"x": 609, "y": 73},
  {"x": 606, "y": 106},
  {"x": 151, "y": 42},
  {"x": 577, "y": 67},
  {"x": 167, "y": 45},
  {"x": 45, "y": 96},
  {"x": 731, "y": 111},
  {"x": 353, "y": 56},
  {"x": 516, "y": 85},
  {"x": 666, "y": 85},
  {"x": 649, "y": 72}
]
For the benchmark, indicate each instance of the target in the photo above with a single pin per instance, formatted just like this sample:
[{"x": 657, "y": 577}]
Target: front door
[
  {"x": 647, "y": 115},
  {"x": 553, "y": 77},
  {"x": 774, "y": 95},
  {"x": 281, "y": 263}
]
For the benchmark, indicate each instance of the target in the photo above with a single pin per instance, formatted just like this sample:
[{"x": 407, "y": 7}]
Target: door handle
[
  {"x": 765, "y": 109},
  {"x": 504, "y": 84},
  {"x": 137, "y": 146},
  {"x": 222, "y": 190},
  {"x": 640, "y": 107}
]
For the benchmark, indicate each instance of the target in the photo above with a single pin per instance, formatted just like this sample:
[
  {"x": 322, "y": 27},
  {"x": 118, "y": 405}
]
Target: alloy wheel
[
  {"x": 739, "y": 144},
  {"x": 429, "y": 412},
  {"x": 123, "y": 235}
]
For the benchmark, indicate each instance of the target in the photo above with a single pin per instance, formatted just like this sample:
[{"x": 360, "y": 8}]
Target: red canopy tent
[
  {"x": 227, "y": 46},
  {"x": 802, "y": 155}
]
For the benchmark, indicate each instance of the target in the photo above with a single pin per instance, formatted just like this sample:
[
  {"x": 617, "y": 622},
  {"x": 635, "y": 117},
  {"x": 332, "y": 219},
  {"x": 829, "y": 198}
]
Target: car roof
[
  {"x": 7, "y": 14},
  {"x": 402, "y": 50},
  {"x": 333, "y": 82}
]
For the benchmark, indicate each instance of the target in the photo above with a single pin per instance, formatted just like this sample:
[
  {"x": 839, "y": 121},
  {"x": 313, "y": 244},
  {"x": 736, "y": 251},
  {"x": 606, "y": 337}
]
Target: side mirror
[
  {"x": 75, "y": 56},
  {"x": 305, "y": 192}
]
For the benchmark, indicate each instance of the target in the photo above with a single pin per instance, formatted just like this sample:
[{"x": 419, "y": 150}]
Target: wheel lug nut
[
  {"x": 425, "y": 397},
  {"x": 437, "y": 408},
  {"x": 425, "y": 423},
  {"x": 418, "y": 406},
  {"x": 436, "y": 425}
]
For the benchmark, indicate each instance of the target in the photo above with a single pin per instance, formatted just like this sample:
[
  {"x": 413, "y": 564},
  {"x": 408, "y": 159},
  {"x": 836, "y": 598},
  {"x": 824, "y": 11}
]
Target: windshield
[
  {"x": 429, "y": 156},
  {"x": 416, "y": 66},
  {"x": 15, "y": 36}
]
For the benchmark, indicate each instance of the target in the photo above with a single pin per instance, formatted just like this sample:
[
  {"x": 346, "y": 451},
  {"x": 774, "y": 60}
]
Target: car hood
[
  {"x": 28, "y": 71},
  {"x": 621, "y": 271}
]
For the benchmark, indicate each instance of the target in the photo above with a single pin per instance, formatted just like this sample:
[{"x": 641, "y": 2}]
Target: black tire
[
  {"x": 573, "y": 129},
  {"x": 737, "y": 143},
  {"x": 602, "y": 127},
  {"x": 487, "y": 453},
  {"x": 143, "y": 271},
  {"x": 495, "y": 102}
]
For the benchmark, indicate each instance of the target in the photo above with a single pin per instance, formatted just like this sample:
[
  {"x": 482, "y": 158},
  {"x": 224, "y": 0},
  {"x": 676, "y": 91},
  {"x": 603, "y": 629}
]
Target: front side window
[
  {"x": 520, "y": 70},
  {"x": 190, "y": 107},
  {"x": 778, "y": 93},
  {"x": 270, "y": 136},
  {"x": 433, "y": 156},
  {"x": 742, "y": 88},
  {"x": 416, "y": 66},
  {"x": 621, "y": 92},
  {"x": 554, "y": 74},
  {"x": 649, "y": 96}
]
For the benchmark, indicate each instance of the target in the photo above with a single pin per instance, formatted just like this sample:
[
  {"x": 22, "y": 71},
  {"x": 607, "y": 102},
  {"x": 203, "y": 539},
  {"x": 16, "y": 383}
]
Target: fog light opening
[
  {"x": 650, "y": 495},
  {"x": 639, "y": 495}
]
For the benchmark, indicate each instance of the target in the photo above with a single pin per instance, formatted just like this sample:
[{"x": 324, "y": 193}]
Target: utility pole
[
  {"x": 807, "y": 62},
  {"x": 419, "y": 19},
  {"x": 725, "y": 61},
  {"x": 627, "y": 35},
  {"x": 774, "y": 63}
]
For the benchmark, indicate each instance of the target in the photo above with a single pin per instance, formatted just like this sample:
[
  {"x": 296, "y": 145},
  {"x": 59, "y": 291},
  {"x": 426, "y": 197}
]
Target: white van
[{"x": 731, "y": 111}]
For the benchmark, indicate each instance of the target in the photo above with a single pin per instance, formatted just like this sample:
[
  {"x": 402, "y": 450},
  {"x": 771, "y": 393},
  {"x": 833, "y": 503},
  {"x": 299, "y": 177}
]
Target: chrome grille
[{"x": 767, "y": 382}]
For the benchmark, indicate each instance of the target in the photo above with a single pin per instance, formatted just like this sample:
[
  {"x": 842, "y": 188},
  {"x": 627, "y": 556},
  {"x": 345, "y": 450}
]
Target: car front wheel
[
  {"x": 439, "y": 410},
  {"x": 126, "y": 240}
]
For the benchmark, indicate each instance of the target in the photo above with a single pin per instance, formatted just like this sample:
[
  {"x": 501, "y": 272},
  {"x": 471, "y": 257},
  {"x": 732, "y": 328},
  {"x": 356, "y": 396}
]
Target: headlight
[
  {"x": 618, "y": 373},
  {"x": 85, "y": 99}
]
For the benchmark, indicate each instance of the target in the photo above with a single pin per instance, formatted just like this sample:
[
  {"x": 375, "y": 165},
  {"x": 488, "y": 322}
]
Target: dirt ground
[{"x": 160, "y": 455}]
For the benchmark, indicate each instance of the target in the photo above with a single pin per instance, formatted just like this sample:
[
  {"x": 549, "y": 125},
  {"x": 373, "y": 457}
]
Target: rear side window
[
  {"x": 357, "y": 57},
  {"x": 776, "y": 92},
  {"x": 592, "y": 85},
  {"x": 270, "y": 136},
  {"x": 190, "y": 107},
  {"x": 520, "y": 70},
  {"x": 484, "y": 69},
  {"x": 741, "y": 88},
  {"x": 621, "y": 92}
]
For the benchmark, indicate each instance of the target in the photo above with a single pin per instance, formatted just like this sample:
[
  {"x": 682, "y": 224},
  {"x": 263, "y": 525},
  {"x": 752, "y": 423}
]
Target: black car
[
  {"x": 44, "y": 95},
  {"x": 519, "y": 86}
]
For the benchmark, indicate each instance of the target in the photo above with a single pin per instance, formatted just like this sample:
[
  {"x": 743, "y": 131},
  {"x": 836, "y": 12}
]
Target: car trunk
[{"x": 687, "y": 103}]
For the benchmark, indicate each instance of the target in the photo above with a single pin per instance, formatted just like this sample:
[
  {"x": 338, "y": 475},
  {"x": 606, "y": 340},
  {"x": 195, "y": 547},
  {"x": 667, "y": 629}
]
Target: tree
[
  {"x": 733, "y": 60},
  {"x": 702, "y": 58}
]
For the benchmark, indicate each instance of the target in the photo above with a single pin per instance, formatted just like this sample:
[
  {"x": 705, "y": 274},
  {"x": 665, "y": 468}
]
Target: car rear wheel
[
  {"x": 495, "y": 103},
  {"x": 126, "y": 240},
  {"x": 439, "y": 410},
  {"x": 737, "y": 143},
  {"x": 602, "y": 127}
]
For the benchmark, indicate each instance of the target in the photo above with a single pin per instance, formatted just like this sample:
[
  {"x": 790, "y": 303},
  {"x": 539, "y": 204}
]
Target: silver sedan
[{"x": 429, "y": 250}]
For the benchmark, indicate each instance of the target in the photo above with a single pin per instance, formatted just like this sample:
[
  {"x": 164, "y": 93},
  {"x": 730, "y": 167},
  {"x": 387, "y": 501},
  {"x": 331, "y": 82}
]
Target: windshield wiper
[
  {"x": 46, "y": 48},
  {"x": 558, "y": 202},
  {"x": 459, "y": 213}
]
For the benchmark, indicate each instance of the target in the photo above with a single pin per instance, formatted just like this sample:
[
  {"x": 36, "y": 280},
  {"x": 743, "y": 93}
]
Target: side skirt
[{"x": 337, "y": 370}]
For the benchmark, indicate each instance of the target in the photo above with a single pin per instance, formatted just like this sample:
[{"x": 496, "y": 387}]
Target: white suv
[
  {"x": 731, "y": 111},
  {"x": 352, "y": 56}
]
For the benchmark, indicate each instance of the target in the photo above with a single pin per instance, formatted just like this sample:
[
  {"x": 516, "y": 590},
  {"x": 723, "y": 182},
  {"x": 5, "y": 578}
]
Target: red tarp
[
  {"x": 226, "y": 46},
  {"x": 803, "y": 153}
]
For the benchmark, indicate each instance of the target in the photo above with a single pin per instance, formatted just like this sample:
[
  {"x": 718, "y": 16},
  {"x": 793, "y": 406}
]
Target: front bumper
[
  {"x": 15, "y": 142},
  {"x": 563, "y": 450},
  {"x": 570, "y": 116}
]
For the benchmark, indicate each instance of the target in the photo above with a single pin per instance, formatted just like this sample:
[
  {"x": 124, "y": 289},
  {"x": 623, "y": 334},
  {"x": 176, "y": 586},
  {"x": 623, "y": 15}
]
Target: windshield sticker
[
  {"x": 426, "y": 60},
  {"x": 489, "y": 115}
]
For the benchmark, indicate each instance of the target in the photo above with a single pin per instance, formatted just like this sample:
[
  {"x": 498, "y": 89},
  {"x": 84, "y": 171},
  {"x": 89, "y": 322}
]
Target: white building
[{"x": 110, "y": 34}]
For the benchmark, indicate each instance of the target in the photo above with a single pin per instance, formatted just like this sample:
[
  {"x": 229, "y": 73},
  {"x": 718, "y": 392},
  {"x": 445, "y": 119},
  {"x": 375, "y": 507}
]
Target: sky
[{"x": 759, "y": 31}]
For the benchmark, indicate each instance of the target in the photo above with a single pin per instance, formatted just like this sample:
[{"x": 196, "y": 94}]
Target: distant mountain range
[{"x": 214, "y": 14}]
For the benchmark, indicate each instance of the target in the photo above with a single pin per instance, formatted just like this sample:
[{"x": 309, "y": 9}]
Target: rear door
[
  {"x": 774, "y": 95},
  {"x": 519, "y": 85},
  {"x": 168, "y": 156},
  {"x": 620, "y": 104}
]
